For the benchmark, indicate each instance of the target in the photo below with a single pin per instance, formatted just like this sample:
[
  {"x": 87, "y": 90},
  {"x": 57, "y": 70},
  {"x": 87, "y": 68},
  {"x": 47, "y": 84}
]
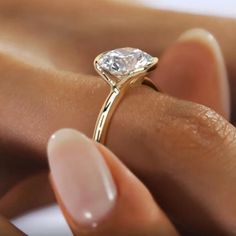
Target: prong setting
[{"x": 119, "y": 65}]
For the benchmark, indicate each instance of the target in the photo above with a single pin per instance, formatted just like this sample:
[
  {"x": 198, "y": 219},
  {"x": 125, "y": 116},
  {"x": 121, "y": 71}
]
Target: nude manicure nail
[
  {"x": 206, "y": 38},
  {"x": 81, "y": 177}
]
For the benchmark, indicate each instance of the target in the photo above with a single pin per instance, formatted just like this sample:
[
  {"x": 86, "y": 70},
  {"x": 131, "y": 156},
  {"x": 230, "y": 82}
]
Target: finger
[
  {"x": 194, "y": 69},
  {"x": 7, "y": 229},
  {"x": 179, "y": 146},
  {"x": 13, "y": 172},
  {"x": 30, "y": 193},
  {"x": 98, "y": 194},
  {"x": 73, "y": 46}
]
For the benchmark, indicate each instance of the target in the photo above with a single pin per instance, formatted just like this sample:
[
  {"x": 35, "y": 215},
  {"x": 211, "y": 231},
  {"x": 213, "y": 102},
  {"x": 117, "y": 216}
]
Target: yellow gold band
[{"x": 108, "y": 109}]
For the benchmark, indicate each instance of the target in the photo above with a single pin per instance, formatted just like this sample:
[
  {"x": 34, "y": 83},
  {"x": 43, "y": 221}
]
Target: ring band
[{"x": 120, "y": 68}]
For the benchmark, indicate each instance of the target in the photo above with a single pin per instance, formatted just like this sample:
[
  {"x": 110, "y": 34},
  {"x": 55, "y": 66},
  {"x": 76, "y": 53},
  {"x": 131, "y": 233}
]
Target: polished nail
[{"x": 81, "y": 177}]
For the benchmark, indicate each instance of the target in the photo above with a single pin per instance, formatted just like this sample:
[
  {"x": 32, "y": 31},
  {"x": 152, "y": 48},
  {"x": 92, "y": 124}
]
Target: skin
[
  {"x": 131, "y": 214},
  {"x": 173, "y": 134},
  {"x": 8, "y": 229}
]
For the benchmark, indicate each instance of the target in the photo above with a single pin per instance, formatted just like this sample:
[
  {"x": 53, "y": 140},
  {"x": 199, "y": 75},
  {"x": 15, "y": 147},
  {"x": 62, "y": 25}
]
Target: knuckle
[
  {"x": 210, "y": 125},
  {"x": 195, "y": 127}
]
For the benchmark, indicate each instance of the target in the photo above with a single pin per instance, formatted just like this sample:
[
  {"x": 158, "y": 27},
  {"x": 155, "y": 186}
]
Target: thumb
[{"x": 97, "y": 193}]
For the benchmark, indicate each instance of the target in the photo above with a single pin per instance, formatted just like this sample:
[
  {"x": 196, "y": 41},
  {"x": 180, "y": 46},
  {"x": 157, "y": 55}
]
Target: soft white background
[
  {"x": 49, "y": 221},
  {"x": 209, "y": 7}
]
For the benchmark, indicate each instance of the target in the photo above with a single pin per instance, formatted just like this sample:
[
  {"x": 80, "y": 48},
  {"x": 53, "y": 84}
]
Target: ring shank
[{"x": 108, "y": 109}]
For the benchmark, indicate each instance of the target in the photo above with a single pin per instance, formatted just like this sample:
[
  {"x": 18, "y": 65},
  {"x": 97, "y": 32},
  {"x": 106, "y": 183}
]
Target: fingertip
[
  {"x": 193, "y": 69},
  {"x": 207, "y": 39},
  {"x": 81, "y": 179},
  {"x": 61, "y": 137},
  {"x": 97, "y": 192}
]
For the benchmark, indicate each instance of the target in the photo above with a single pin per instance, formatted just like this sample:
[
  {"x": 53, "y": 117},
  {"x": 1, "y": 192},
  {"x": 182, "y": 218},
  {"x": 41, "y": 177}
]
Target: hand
[
  {"x": 64, "y": 104},
  {"x": 189, "y": 159},
  {"x": 98, "y": 194}
]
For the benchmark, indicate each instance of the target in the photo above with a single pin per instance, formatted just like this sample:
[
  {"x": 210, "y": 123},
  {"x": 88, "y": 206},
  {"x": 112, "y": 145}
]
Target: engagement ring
[{"x": 120, "y": 68}]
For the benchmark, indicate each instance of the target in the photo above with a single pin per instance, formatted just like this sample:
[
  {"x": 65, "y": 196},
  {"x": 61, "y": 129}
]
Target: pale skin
[{"x": 172, "y": 145}]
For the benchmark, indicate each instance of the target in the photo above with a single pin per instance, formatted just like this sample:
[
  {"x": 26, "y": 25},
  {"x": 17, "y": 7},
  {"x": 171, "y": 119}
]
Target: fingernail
[
  {"x": 206, "y": 38},
  {"x": 81, "y": 177}
]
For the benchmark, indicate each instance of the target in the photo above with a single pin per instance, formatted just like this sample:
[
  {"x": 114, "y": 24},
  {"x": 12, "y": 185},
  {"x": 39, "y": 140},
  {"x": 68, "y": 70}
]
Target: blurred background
[{"x": 210, "y": 7}]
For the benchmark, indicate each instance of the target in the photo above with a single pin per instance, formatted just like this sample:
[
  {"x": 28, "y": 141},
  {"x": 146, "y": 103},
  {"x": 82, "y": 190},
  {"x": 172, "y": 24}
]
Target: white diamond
[{"x": 125, "y": 61}]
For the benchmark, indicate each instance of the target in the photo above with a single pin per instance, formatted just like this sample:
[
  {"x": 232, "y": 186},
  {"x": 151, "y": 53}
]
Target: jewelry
[{"x": 120, "y": 68}]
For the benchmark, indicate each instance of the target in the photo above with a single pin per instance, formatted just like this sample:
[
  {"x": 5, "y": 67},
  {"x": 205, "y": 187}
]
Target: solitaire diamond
[{"x": 123, "y": 62}]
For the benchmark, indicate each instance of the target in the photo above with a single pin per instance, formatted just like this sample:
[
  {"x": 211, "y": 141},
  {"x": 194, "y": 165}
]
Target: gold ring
[{"x": 120, "y": 68}]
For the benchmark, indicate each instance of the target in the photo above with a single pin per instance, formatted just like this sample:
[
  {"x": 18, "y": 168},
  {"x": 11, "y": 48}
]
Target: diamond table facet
[{"x": 123, "y": 62}]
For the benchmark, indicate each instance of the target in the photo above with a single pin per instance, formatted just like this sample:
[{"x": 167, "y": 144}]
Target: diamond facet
[{"x": 123, "y": 62}]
